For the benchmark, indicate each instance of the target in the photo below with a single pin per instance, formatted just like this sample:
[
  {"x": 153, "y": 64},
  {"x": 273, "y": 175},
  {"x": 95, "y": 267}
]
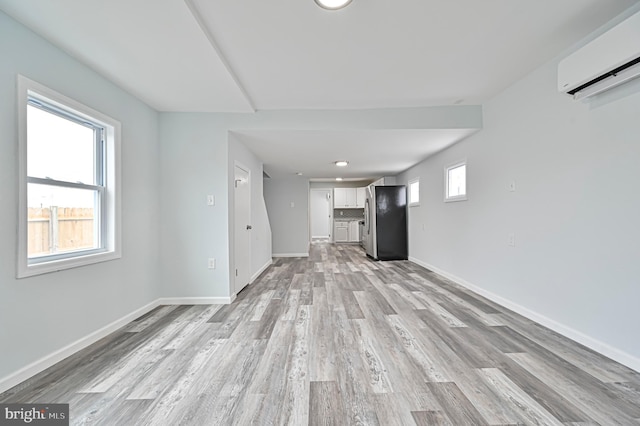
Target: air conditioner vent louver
[
  {"x": 613, "y": 73},
  {"x": 609, "y": 60}
]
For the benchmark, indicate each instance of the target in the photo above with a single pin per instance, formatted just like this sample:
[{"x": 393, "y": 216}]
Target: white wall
[
  {"x": 194, "y": 163},
  {"x": 336, "y": 184},
  {"x": 40, "y": 315},
  {"x": 289, "y": 223},
  {"x": 195, "y": 158},
  {"x": 574, "y": 213}
]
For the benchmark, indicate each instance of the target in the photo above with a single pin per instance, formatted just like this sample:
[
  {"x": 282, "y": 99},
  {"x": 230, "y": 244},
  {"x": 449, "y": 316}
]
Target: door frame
[
  {"x": 240, "y": 233},
  {"x": 329, "y": 208}
]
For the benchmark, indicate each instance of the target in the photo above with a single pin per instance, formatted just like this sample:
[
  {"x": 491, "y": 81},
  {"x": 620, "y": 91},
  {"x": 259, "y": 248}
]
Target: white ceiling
[
  {"x": 369, "y": 152},
  {"x": 247, "y": 55}
]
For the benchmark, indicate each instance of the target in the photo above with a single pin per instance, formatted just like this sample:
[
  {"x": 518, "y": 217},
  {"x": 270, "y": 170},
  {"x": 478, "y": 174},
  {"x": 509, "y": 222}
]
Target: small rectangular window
[
  {"x": 414, "y": 192},
  {"x": 68, "y": 182},
  {"x": 456, "y": 182}
]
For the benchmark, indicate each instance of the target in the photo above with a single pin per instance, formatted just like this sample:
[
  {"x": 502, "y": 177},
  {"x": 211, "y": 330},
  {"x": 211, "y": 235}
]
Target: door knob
[{"x": 249, "y": 227}]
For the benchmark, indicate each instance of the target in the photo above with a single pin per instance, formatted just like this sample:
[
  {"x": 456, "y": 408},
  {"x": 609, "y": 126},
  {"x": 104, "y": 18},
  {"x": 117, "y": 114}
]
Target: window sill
[
  {"x": 455, "y": 199},
  {"x": 25, "y": 271}
]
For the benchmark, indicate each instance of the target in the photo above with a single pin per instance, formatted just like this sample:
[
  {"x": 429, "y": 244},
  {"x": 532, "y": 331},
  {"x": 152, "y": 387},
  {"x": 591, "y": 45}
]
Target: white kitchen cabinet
[
  {"x": 346, "y": 231},
  {"x": 361, "y": 196},
  {"x": 344, "y": 198},
  {"x": 339, "y": 198},
  {"x": 351, "y": 197},
  {"x": 341, "y": 232},
  {"x": 354, "y": 231}
]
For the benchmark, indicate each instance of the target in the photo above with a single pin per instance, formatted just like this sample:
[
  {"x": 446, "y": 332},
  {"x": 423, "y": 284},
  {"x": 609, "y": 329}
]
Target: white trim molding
[
  {"x": 260, "y": 271},
  {"x": 47, "y": 361},
  {"x": 110, "y": 247},
  {"x": 447, "y": 169},
  {"x": 290, "y": 255},
  {"x": 194, "y": 300},
  {"x": 568, "y": 332}
]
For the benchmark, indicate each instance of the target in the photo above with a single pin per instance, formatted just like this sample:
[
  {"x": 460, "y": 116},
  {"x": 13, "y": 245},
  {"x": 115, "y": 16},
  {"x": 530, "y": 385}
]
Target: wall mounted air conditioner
[{"x": 609, "y": 60}]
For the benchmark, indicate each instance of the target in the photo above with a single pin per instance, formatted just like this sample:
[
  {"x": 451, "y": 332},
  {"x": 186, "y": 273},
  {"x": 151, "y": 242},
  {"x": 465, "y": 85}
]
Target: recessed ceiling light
[
  {"x": 333, "y": 4},
  {"x": 341, "y": 163},
  {"x": 299, "y": 173},
  {"x": 338, "y": 179}
]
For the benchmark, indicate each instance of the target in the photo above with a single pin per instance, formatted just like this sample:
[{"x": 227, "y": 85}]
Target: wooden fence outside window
[{"x": 59, "y": 229}]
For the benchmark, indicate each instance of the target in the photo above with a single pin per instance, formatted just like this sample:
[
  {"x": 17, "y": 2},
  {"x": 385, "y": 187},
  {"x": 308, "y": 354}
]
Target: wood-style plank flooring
[{"x": 338, "y": 339}]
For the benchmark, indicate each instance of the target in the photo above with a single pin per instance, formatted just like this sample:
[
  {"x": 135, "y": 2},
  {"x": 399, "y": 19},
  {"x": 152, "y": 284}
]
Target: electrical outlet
[
  {"x": 211, "y": 200},
  {"x": 511, "y": 239},
  {"x": 211, "y": 264}
]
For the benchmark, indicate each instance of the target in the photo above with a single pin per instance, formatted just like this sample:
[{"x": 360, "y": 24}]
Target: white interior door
[
  {"x": 242, "y": 228},
  {"x": 320, "y": 213}
]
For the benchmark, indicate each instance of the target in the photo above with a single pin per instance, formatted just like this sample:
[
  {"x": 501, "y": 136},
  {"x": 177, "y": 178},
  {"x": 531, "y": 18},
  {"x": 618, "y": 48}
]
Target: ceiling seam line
[{"x": 198, "y": 17}]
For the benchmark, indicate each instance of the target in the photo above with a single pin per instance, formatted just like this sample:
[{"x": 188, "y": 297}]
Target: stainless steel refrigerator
[{"x": 385, "y": 227}]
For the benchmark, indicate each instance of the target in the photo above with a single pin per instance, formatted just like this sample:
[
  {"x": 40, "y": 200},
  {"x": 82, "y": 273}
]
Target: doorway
[
  {"x": 242, "y": 228},
  {"x": 320, "y": 206}
]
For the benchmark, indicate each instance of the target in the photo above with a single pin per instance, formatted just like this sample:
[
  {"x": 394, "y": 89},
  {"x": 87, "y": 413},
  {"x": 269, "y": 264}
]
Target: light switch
[
  {"x": 293, "y": 204},
  {"x": 211, "y": 200}
]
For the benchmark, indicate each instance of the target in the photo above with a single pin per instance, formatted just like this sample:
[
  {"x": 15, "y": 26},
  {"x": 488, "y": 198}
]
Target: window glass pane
[
  {"x": 61, "y": 219},
  {"x": 59, "y": 148},
  {"x": 457, "y": 181},
  {"x": 414, "y": 192}
]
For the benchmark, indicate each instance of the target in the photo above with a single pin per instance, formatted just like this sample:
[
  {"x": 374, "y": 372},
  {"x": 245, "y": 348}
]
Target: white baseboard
[
  {"x": 194, "y": 301},
  {"x": 47, "y": 361},
  {"x": 291, "y": 254},
  {"x": 588, "y": 341},
  {"x": 260, "y": 271}
]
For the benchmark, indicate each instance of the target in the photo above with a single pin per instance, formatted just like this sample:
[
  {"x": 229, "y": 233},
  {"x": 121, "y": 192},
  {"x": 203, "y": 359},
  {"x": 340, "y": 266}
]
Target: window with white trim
[
  {"x": 414, "y": 192},
  {"x": 69, "y": 210},
  {"x": 455, "y": 182}
]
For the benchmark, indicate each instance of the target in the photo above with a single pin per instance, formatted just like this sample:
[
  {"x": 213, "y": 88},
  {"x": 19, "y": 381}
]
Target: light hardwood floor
[{"x": 337, "y": 339}]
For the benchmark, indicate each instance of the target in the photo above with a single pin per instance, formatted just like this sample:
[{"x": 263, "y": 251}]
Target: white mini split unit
[{"x": 608, "y": 61}]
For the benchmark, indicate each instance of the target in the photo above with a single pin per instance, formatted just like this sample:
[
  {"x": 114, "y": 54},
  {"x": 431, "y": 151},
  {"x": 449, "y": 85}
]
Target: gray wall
[
  {"x": 42, "y": 314},
  {"x": 574, "y": 213},
  {"x": 289, "y": 225}
]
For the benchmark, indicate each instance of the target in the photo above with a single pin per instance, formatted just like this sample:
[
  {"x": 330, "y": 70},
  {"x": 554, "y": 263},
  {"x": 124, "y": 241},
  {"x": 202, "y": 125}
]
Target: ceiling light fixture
[
  {"x": 338, "y": 179},
  {"x": 341, "y": 163},
  {"x": 333, "y": 4}
]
